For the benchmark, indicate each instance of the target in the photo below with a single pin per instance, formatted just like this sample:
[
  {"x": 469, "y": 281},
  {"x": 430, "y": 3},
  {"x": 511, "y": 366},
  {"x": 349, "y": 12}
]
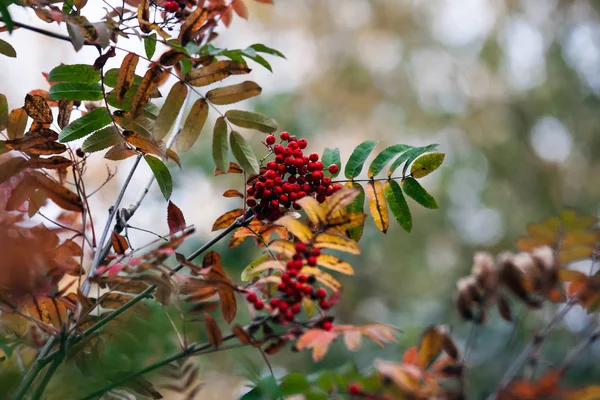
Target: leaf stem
[
  {"x": 42, "y": 386},
  {"x": 389, "y": 178},
  {"x": 33, "y": 372}
]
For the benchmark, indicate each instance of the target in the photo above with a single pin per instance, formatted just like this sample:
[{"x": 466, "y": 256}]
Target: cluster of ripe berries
[
  {"x": 289, "y": 177},
  {"x": 173, "y": 6},
  {"x": 295, "y": 286}
]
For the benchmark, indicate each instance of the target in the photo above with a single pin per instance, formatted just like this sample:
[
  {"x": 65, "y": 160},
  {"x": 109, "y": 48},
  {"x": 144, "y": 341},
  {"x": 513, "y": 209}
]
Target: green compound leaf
[
  {"x": 358, "y": 158},
  {"x": 162, "y": 175},
  {"x": 414, "y": 190},
  {"x": 398, "y": 204}
]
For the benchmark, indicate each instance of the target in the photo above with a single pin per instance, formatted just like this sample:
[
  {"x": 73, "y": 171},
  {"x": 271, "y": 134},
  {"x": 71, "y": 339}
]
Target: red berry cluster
[
  {"x": 289, "y": 177},
  {"x": 295, "y": 286},
  {"x": 172, "y": 6}
]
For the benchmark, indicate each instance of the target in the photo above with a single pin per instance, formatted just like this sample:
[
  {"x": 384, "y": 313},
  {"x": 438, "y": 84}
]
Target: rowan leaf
[
  {"x": 215, "y": 72},
  {"x": 175, "y": 218},
  {"x": 11, "y": 167},
  {"x": 358, "y": 157},
  {"x": 54, "y": 162},
  {"x": 145, "y": 89},
  {"x": 251, "y": 120},
  {"x": 409, "y": 156},
  {"x": 102, "y": 139},
  {"x": 414, "y": 190},
  {"x": 7, "y": 49},
  {"x": 377, "y": 205},
  {"x": 17, "y": 121},
  {"x": 261, "y": 48},
  {"x": 335, "y": 264},
  {"x": 331, "y": 157},
  {"x": 243, "y": 336},
  {"x": 233, "y": 93},
  {"x": 240, "y": 8},
  {"x": 81, "y": 73},
  {"x": 150, "y": 44},
  {"x": 76, "y": 91},
  {"x": 220, "y": 144},
  {"x": 295, "y": 227},
  {"x": 170, "y": 109},
  {"x": 430, "y": 346},
  {"x": 192, "y": 127},
  {"x": 283, "y": 246},
  {"x": 119, "y": 243},
  {"x": 233, "y": 193},
  {"x": 192, "y": 25},
  {"x": 426, "y": 164},
  {"x": 60, "y": 195},
  {"x": 398, "y": 204},
  {"x": 227, "y": 219},
  {"x": 3, "y": 112},
  {"x": 65, "y": 108},
  {"x": 322, "y": 277},
  {"x": 386, "y": 156},
  {"x": 254, "y": 268},
  {"x": 336, "y": 242},
  {"x": 243, "y": 153},
  {"x": 140, "y": 125},
  {"x": 126, "y": 75},
  {"x": 339, "y": 201},
  {"x": 90, "y": 122},
  {"x": 37, "y": 108},
  {"x": 313, "y": 210},
  {"x": 162, "y": 175},
  {"x": 119, "y": 151},
  {"x": 318, "y": 340},
  {"x": 354, "y": 221},
  {"x": 213, "y": 332}
]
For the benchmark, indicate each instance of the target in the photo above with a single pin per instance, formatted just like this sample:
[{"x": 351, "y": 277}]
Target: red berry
[
  {"x": 283, "y": 306},
  {"x": 251, "y": 202},
  {"x": 315, "y": 252},
  {"x": 285, "y": 277},
  {"x": 284, "y": 135},
  {"x": 307, "y": 289},
  {"x": 324, "y": 304},
  {"x": 279, "y": 158},
  {"x": 302, "y": 278},
  {"x": 327, "y": 325},
  {"x": 282, "y": 287},
  {"x": 313, "y": 157},
  {"x": 270, "y": 140},
  {"x": 171, "y": 6},
  {"x": 251, "y": 297},
  {"x": 295, "y": 308},
  {"x": 321, "y": 293},
  {"x": 300, "y": 247},
  {"x": 354, "y": 388},
  {"x": 259, "y": 305},
  {"x": 302, "y": 143},
  {"x": 321, "y": 198},
  {"x": 289, "y": 315},
  {"x": 333, "y": 169},
  {"x": 326, "y": 181},
  {"x": 293, "y": 138},
  {"x": 312, "y": 261},
  {"x": 275, "y": 302},
  {"x": 293, "y": 145},
  {"x": 278, "y": 149}
]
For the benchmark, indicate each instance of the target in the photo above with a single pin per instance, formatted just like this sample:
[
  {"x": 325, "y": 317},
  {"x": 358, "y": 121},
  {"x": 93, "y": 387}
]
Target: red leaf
[
  {"x": 240, "y": 8},
  {"x": 175, "y": 218}
]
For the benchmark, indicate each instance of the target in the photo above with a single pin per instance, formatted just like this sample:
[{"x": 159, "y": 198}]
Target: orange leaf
[
  {"x": 318, "y": 340},
  {"x": 126, "y": 75},
  {"x": 240, "y": 8},
  {"x": 119, "y": 243},
  {"x": 212, "y": 330},
  {"x": 227, "y": 219},
  {"x": 149, "y": 82},
  {"x": 60, "y": 195},
  {"x": 430, "y": 346}
]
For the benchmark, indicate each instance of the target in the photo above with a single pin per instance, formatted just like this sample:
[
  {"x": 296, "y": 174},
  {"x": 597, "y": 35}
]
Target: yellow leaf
[
  {"x": 346, "y": 222},
  {"x": 170, "y": 109},
  {"x": 318, "y": 340},
  {"x": 335, "y": 264},
  {"x": 215, "y": 72},
  {"x": 192, "y": 127},
  {"x": 297, "y": 228},
  {"x": 271, "y": 264},
  {"x": 126, "y": 75},
  {"x": 336, "y": 242},
  {"x": 233, "y": 93},
  {"x": 283, "y": 246},
  {"x": 149, "y": 146},
  {"x": 339, "y": 201},
  {"x": 377, "y": 205},
  {"x": 323, "y": 277},
  {"x": 227, "y": 219},
  {"x": 37, "y": 108},
  {"x": 430, "y": 346},
  {"x": 145, "y": 89},
  {"x": 313, "y": 209}
]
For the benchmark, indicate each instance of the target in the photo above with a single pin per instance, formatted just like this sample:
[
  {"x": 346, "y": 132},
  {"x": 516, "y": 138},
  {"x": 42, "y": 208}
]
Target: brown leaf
[
  {"x": 64, "y": 112},
  {"x": 171, "y": 57},
  {"x": 11, "y": 167},
  {"x": 119, "y": 243},
  {"x": 55, "y": 162},
  {"x": 241, "y": 334},
  {"x": 20, "y": 193},
  {"x": 233, "y": 93},
  {"x": 504, "y": 309},
  {"x": 192, "y": 127},
  {"x": 227, "y": 219},
  {"x": 240, "y": 8},
  {"x": 119, "y": 152},
  {"x": 430, "y": 346},
  {"x": 149, "y": 146},
  {"x": 192, "y": 24},
  {"x": 17, "y": 121},
  {"x": 149, "y": 82},
  {"x": 113, "y": 300},
  {"x": 215, "y": 72},
  {"x": 143, "y": 14},
  {"x": 126, "y": 75},
  {"x": 212, "y": 331},
  {"x": 60, "y": 195},
  {"x": 175, "y": 218},
  {"x": 228, "y": 302},
  {"x": 37, "y": 108},
  {"x": 233, "y": 193}
]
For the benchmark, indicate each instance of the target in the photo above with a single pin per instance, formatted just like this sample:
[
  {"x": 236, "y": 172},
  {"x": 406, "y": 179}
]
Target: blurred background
[{"x": 509, "y": 89}]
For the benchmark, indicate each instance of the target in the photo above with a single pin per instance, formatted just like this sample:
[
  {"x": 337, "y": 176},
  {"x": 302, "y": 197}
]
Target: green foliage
[
  {"x": 90, "y": 122},
  {"x": 162, "y": 175}
]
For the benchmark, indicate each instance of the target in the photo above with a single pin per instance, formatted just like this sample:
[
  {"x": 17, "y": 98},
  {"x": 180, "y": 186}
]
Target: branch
[{"x": 49, "y": 34}]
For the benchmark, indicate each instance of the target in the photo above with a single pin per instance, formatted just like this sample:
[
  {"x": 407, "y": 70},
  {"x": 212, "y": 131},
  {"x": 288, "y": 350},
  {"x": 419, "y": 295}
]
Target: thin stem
[
  {"x": 48, "y": 33},
  {"x": 389, "y": 178},
  {"x": 42, "y": 386},
  {"x": 33, "y": 372},
  {"x": 580, "y": 348}
]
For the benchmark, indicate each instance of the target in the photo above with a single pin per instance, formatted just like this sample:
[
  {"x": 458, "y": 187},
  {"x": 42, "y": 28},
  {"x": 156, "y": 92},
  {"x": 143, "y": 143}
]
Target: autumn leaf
[
  {"x": 175, "y": 218},
  {"x": 333, "y": 263},
  {"x": 233, "y": 93},
  {"x": 295, "y": 227},
  {"x": 227, "y": 219},
  {"x": 145, "y": 89},
  {"x": 336, "y": 242},
  {"x": 213, "y": 332},
  {"x": 215, "y": 72},
  {"x": 17, "y": 121},
  {"x": 430, "y": 346},
  {"x": 37, "y": 108},
  {"x": 377, "y": 205},
  {"x": 170, "y": 109},
  {"x": 192, "y": 127},
  {"x": 119, "y": 243},
  {"x": 60, "y": 195},
  {"x": 126, "y": 75},
  {"x": 318, "y": 340}
]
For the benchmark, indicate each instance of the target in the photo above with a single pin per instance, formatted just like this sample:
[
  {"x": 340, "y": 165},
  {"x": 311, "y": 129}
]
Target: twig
[
  {"x": 580, "y": 348},
  {"x": 48, "y": 33},
  {"x": 42, "y": 386}
]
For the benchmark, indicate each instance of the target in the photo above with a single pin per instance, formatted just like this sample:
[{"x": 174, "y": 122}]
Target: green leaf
[
  {"x": 386, "y": 156},
  {"x": 260, "y": 60},
  {"x": 398, "y": 205},
  {"x": 150, "y": 44},
  {"x": 331, "y": 157},
  {"x": 247, "y": 273},
  {"x": 6, "y": 18},
  {"x": 170, "y": 109},
  {"x": 7, "y": 49},
  {"x": 414, "y": 190},
  {"x": 162, "y": 175},
  {"x": 3, "y": 112},
  {"x": 111, "y": 76},
  {"x": 243, "y": 153},
  {"x": 425, "y": 165},
  {"x": 358, "y": 158},
  {"x": 417, "y": 153},
  {"x": 252, "y": 120},
  {"x": 261, "y": 48},
  {"x": 220, "y": 144},
  {"x": 408, "y": 156},
  {"x": 76, "y": 91},
  {"x": 357, "y": 206},
  {"x": 102, "y": 139},
  {"x": 81, "y": 73},
  {"x": 81, "y": 127},
  {"x": 293, "y": 384}
]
